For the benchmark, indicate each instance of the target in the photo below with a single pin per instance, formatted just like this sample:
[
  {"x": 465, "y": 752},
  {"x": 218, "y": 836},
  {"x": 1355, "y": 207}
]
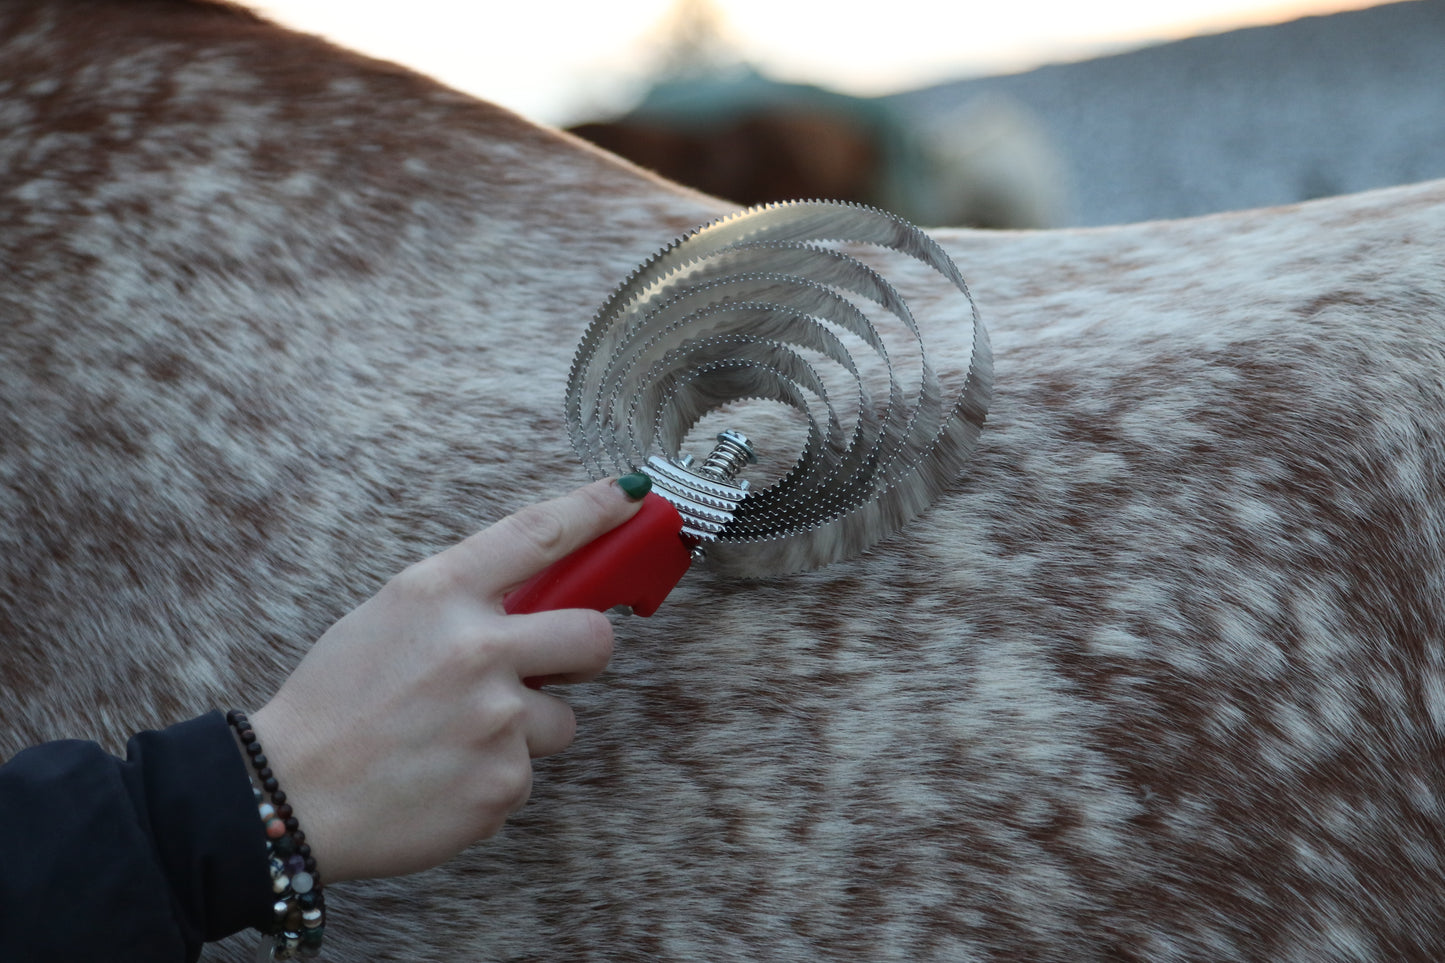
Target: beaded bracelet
[{"x": 299, "y": 914}]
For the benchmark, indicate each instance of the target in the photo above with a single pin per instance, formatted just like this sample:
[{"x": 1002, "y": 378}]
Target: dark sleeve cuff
[
  {"x": 197, "y": 796},
  {"x": 127, "y": 860}
]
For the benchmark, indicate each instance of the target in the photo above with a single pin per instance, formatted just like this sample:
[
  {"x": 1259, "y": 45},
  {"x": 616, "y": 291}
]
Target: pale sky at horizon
[{"x": 557, "y": 62}]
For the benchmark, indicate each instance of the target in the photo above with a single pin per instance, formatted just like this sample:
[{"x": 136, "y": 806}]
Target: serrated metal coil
[{"x": 756, "y": 306}]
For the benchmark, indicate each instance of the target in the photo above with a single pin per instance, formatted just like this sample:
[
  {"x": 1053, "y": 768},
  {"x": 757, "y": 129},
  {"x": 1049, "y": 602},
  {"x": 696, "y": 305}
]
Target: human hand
[{"x": 407, "y": 732}]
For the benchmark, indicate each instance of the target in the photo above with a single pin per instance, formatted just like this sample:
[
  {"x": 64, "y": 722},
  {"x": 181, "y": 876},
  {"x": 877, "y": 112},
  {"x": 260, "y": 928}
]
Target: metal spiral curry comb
[{"x": 781, "y": 313}]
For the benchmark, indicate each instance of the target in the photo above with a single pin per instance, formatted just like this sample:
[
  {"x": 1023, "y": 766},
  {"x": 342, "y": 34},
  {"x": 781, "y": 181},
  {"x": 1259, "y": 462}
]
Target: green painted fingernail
[{"x": 635, "y": 485}]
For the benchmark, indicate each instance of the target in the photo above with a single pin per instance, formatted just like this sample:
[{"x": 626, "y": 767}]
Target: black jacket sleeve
[{"x": 141, "y": 859}]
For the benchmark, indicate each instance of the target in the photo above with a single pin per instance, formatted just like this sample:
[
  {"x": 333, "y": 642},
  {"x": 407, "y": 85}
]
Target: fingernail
[{"x": 635, "y": 485}]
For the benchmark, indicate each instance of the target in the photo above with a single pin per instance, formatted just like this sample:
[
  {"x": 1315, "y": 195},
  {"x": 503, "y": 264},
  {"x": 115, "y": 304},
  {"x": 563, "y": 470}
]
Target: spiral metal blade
[{"x": 776, "y": 303}]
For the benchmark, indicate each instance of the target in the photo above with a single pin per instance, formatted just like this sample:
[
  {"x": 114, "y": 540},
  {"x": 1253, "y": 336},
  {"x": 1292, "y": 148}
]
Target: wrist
[
  {"x": 298, "y": 917},
  {"x": 299, "y": 759}
]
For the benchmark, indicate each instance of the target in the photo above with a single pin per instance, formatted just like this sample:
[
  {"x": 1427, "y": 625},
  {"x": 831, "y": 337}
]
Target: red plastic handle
[{"x": 635, "y": 564}]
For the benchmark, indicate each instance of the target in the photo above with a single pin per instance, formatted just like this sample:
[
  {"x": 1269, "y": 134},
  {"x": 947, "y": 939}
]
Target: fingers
[
  {"x": 562, "y": 648},
  {"x": 505, "y": 719},
  {"x": 522, "y": 544},
  {"x": 569, "y": 645},
  {"x": 471, "y": 636},
  {"x": 551, "y": 725},
  {"x": 502, "y": 788}
]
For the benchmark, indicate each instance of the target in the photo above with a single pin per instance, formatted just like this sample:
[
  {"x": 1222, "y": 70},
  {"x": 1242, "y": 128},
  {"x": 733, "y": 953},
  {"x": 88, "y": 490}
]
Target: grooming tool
[{"x": 779, "y": 305}]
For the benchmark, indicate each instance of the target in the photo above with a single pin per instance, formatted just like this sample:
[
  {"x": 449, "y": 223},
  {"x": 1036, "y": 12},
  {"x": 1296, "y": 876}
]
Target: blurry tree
[{"x": 713, "y": 122}]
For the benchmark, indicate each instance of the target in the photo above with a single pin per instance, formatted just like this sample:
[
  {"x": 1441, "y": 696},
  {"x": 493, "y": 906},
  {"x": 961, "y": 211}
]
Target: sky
[{"x": 563, "y": 61}]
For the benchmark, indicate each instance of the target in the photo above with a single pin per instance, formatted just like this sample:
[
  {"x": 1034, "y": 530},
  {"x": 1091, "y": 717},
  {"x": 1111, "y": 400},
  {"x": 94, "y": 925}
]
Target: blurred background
[{"x": 1031, "y": 113}]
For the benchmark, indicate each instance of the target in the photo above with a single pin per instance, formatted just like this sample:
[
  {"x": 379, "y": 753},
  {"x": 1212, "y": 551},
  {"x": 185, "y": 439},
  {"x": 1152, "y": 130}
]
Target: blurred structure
[
  {"x": 1250, "y": 118},
  {"x": 714, "y": 123}
]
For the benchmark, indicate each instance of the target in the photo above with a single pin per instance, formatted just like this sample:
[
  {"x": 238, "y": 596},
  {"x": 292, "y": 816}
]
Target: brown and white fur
[{"x": 1161, "y": 678}]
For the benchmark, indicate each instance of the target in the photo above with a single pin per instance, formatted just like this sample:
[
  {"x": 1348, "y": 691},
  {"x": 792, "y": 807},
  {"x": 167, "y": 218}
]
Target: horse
[{"x": 1159, "y": 677}]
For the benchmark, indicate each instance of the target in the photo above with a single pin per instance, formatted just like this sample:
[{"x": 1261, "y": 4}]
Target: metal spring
[{"x": 733, "y": 451}]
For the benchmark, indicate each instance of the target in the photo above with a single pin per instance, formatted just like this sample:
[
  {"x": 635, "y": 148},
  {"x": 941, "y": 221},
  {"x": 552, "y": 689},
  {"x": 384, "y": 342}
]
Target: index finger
[{"x": 522, "y": 544}]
